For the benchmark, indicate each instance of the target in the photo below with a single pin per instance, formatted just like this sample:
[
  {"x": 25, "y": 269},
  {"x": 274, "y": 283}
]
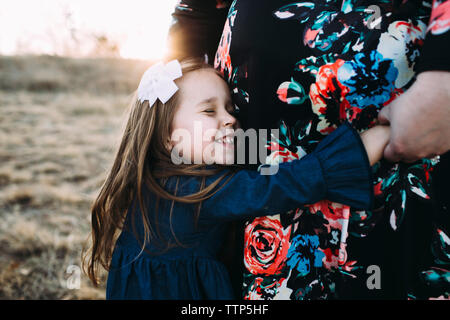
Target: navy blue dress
[
  {"x": 305, "y": 67},
  {"x": 338, "y": 170}
]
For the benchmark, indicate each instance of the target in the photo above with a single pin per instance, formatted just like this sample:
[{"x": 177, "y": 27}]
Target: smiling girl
[{"x": 158, "y": 226}]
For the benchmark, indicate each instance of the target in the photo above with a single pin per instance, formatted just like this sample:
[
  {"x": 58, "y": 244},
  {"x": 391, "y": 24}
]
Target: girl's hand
[{"x": 375, "y": 140}]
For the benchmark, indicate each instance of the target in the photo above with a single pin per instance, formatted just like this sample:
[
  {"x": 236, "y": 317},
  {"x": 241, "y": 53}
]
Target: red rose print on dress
[
  {"x": 223, "y": 60},
  {"x": 440, "y": 17},
  {"x": 266, "y": 246},
  {"x": 327, "y": 88}
]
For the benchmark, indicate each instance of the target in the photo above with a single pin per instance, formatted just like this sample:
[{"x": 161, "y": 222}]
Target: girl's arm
[
  {"x": 338, "y": 170},
  {"x": 375, "y": 140}
]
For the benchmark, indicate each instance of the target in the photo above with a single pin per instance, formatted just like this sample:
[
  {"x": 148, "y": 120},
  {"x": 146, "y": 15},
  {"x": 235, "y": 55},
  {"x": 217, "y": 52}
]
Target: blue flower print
[
  {"x": 370, "y": 79},
  {"x": 303, "y": 252}
]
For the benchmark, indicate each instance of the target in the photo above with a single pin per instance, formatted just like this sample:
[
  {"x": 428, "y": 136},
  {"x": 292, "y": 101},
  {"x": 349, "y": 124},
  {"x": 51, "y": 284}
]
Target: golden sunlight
[
  {"x": 152, "y": 24},
  {"x": 130, "y": 29}
]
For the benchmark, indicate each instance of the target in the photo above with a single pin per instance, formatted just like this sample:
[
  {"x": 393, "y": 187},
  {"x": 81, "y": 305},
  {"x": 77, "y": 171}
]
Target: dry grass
[{"x": 60, "y": 121}]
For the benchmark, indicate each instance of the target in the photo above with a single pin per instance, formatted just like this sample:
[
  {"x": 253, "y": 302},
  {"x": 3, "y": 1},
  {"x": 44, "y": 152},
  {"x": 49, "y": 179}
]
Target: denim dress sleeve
[{"x": 337, "y": 170}]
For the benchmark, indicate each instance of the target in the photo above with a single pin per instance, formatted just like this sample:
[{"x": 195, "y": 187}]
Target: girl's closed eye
[{"x": 210, "y": 110}]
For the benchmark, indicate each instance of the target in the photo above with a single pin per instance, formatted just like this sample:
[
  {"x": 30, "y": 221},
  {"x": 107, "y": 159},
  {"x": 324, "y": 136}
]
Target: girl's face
[{"x": 203, "y": 119}]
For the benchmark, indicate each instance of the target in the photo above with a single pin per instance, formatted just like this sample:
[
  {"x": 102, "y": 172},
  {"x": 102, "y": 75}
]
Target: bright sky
[{"x": 66, "y": 26}]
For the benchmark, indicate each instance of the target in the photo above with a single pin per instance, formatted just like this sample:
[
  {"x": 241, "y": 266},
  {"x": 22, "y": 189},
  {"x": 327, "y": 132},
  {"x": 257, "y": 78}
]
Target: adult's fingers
[
  {"x": 391, "y": 154},
  {"x": 384, "y": 115},
  {"x": 395, "y": 154}
]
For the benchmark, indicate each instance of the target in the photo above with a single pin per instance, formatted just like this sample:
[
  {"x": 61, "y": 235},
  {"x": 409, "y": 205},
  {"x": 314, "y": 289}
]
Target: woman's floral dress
[{"x": 305, "y": 67}]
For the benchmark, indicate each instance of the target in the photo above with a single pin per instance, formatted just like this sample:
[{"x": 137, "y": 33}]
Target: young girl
[{"x": 173, "y": 217}]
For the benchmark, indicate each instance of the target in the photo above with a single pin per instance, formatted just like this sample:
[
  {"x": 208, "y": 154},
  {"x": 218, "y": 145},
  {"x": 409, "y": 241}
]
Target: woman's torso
[{"x": 304, "y": 68}]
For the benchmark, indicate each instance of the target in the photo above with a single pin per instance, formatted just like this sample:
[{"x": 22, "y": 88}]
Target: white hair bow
[{"x": 158, "y": 82}]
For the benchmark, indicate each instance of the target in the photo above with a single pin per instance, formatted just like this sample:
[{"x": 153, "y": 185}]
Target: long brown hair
[{"x": 142, "y": 158}]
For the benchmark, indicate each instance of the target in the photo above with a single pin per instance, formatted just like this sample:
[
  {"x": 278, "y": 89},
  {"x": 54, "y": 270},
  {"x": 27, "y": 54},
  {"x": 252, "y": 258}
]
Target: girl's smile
[
  {"x": 226, "y": 140},
  {"x": 204, "y": 116}
]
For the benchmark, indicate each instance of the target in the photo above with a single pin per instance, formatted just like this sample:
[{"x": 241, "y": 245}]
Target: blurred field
[{"x": 60, "y": 121}]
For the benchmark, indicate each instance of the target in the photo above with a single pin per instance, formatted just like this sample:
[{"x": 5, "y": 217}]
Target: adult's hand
[{"x": 419, "y": 119}]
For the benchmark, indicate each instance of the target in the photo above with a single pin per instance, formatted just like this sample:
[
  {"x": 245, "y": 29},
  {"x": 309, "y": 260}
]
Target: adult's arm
[
  {"x": 196, "y": 29},
  {"x": 420, "y": 118}
]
